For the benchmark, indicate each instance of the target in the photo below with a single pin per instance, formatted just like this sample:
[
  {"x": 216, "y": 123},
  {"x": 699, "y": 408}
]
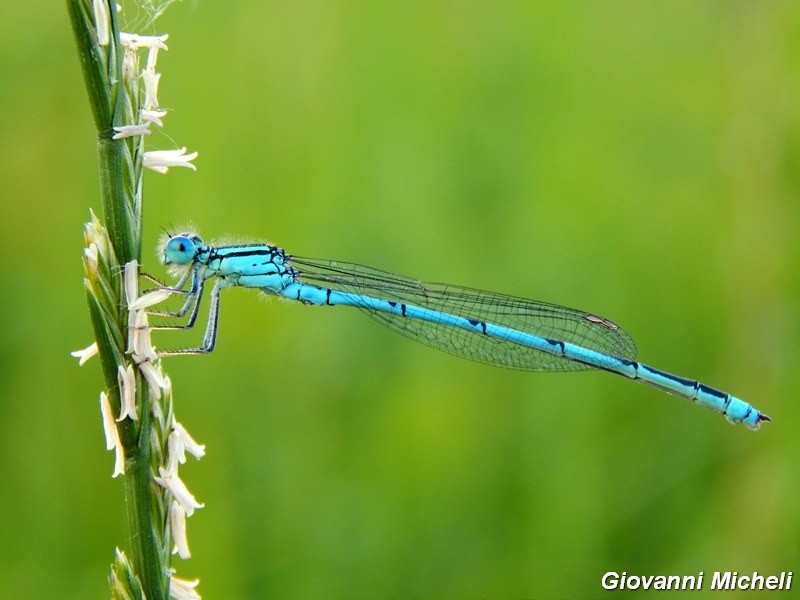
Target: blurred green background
[{"x": 638, "y": 160}]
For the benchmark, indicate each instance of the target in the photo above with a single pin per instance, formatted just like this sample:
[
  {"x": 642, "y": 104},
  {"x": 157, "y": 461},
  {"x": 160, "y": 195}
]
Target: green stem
[
  {"x": 144, "y": 540},
  {"x": 93, "y": 61},
  {"x": 102, "y": 70},
  {"x": 123, "y": 225}
]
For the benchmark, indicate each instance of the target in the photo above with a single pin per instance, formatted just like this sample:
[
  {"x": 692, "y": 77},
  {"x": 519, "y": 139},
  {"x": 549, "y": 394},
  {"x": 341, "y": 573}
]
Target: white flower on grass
[
  {"x": 152, "y": 55},
  {"x": 90, "y": 255},
  {"x": 139, "y": 343},
  {"x": 101, "y": 21},
  {"x": 162, "y": 160},
  {"x": 126, "y": 131},
  {"x": 127, "y": 392},
  {"x": 112, "y": 436},
  {"x": 119, "y": 460},
  {"x": 177, "y": 521},
  {"x": 94, "y": 234},
  {"x": 130, "y": 65},
  {"x": 153, "y": 116},
  {"x": 154, "y": 377},
  {"x": 133, "y": 331},
  {"x": 151, "y": 79},
  {"x": 158, "y": 413},
  {"x": 109, "y": 424},
  {"x": 181, "y": 442},
  {"x": 85, "y": 354},
  {"x": 137, "y": 320},
  {"x": 131, "y": 281},
  {"x": 182, "y": 589},
  {"x": 134, "y": 41},
  {"x": 178, "y": 444},
  {"x": 156, "y": 296},
  {"x": 173, "y": 484}
]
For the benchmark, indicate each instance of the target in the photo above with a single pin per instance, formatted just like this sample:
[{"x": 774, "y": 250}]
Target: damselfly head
[{"x": 181, "y": 249}]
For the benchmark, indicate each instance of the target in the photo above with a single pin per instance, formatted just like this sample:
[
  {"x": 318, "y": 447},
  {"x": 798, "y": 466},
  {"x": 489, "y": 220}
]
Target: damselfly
[{"x": 482, "y": 326}]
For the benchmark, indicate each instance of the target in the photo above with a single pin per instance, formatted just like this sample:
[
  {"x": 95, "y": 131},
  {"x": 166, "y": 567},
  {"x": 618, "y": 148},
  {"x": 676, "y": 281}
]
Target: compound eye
[{"x": 179, "y": 250}]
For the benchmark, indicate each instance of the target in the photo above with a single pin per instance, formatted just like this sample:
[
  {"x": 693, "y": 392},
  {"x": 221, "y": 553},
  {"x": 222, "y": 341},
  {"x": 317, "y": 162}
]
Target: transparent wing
[{"x": 537, "y": 318}]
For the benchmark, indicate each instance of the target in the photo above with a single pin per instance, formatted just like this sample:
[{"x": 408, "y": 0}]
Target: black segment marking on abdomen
[
  {"x": 713, "y": 392},
  {"x": 691, "y": 383},
  {"x": 476, "y": 322},
  {"x": 558, "y": 343}
]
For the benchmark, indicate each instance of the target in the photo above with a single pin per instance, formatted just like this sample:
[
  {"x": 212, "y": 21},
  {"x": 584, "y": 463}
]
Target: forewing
[{"x": 537, "y": 318}]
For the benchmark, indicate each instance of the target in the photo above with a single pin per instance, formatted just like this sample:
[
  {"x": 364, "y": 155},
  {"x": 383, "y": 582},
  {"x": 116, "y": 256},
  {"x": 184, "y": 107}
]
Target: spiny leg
[
  {"x": 193, "y": 301},
  {"x": 193, "y": 297},
  {"x": 176, "y": 288},
  {"x": 210, "y": 336}
]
